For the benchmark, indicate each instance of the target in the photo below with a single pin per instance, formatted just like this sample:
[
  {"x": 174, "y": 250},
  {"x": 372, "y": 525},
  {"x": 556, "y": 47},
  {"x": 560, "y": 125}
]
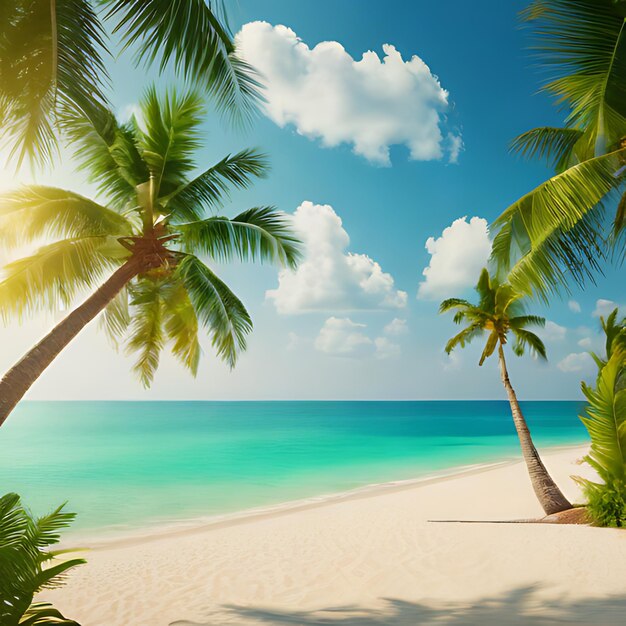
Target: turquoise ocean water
[{"x": 123, "y": 465}]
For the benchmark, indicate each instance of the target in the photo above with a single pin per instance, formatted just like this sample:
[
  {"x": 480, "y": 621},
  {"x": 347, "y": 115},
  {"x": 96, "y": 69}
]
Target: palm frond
[
  {"x": 53, "y": 276},
  {"x": 169, "y": 137},
  {"x": 466, "y": 336},
  {"x": 189, "y": 35},
  {"x": 583, "y": 43},
  {"x": 25, "y": 563},
  {"x": 146, "y": 336},
  {"x": 181, "y": 326},
  {"x": 555, "y": 226},
  {"x": 51, "y": 60},
  {"x": 217, "y": 308},
  {"x": 486, "y": 291},
  {"x": 115, "y": 318},
  {"x": 261, "y": 233},
  {"x": 605, "y": 419},
  {"x": 521, "y": 321},
  {"x": 454, "y": 303},
  {"x": 211, "y": 188},
  {"x": 44, "y": 614},
  {"x": 526, "y": 339},
  {"x": 554, "y": 145},
  {"x": 490, "y": 346},
  {"x": 107, "y": 153},
  {"x": 35, "y": 211}
]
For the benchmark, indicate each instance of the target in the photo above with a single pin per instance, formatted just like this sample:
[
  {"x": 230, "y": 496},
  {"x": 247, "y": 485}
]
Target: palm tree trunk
[
  {"x": 549, "y": 495},
  {"x": 18, "y": 380}
]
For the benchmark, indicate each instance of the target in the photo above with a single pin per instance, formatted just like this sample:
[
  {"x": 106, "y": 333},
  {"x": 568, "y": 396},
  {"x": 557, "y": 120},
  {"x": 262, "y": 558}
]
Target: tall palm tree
[
  {"x": 499, "y": 313},
  {"x": 52, "y": 60},
  {"x": 149, "y": 232},
  {"x": 558, "y": 231}
]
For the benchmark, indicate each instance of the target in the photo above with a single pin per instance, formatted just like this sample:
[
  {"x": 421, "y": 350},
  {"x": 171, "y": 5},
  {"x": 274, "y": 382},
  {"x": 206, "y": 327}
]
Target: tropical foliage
[
  {"x": 605, "y": 420},
  {"x": 557, "y": 232},
  {"x": 27, "y": 565},
  {"x": 154, "y": 227},
  {"x": 52, "y": 60},
  {"x": 498, "y": 314}
]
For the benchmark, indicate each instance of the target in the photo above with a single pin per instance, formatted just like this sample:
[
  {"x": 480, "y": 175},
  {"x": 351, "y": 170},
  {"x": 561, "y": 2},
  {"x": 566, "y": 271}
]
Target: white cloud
[
  {"x": 340, "y": 336},
  {"x": 371, "y": 103},
  {"x": 329, "y": 278},
  {"x": 343, "y": 337},
  {"x": 553, "y": 332},
  {"x": 457, "y": 257},
  {"x": 396, "y": 327},
  {"x": 574, "y": 306},
  {"x": 386, "y": 349},
  {"x": 604, "y": 307},
  {"x": 586, "y": 343},
  {"x": 576, "y": 362}
]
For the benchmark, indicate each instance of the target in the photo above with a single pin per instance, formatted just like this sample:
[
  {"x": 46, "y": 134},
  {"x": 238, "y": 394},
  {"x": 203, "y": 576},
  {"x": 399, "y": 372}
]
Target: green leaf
[
  {"x": 146, "y": 336},
  {"x": 490, "y": 346},
  {"x": 189, "y": 35},
  {"x": 34, "y": 212},
  {"x": 261, "y": 233},
  {"x": 170, "y": 136},
  {"x": 50, "y": 60},
  {"x": 181, "y": 326},
  {"x": 605, "y": 419},
  {"x": 217, "y": 308},
  {"x": 211, "y": 188},
  {"x": 556, "y": 227},
  {"x": 53, "y": 276},
  {"x": 554, "y": 145}
]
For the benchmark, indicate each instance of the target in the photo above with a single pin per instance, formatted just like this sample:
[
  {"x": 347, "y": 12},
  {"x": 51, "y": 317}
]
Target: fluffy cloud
[
  {"x": 574, "y": 306},
  {"x": 371, "y": 103},
  {"x": 456, "y": 258},
  {"x": 343, "y": 337},
  {"x": 553, "y": 332},
  {"x": 604, "y": 307},
  {"x": 576, "y": 362},
  {"x": 329, "y": 278},
  {"x": 386, "y": 349},
  {"x": 396, "y": 327}
]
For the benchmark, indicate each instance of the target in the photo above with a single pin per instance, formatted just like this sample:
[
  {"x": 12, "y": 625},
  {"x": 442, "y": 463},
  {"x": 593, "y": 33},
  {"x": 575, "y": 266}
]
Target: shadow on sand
[{"x": 517, "y": 607}]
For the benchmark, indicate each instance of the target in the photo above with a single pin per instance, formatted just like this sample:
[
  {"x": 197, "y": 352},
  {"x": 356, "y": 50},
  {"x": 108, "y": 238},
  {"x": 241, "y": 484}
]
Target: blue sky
[{"x": 330, "y": 333}]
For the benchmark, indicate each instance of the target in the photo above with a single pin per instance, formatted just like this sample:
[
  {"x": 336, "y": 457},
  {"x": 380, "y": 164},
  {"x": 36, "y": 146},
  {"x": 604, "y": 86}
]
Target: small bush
[{"x": 607, "y": 503}]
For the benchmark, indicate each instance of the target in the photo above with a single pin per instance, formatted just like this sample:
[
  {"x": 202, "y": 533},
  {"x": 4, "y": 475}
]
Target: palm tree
[
  {"x": 498, "y": 313},
  {"x": 149, "y": 232},
  {"x": 52, "y": 60},
  {"x": 557, "y": 232},
  {"x": 25, "y": 563}
]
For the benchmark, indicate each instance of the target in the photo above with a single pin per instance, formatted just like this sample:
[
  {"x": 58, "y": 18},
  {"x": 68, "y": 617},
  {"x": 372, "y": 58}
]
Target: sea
[{"x": 122, "y": 466}]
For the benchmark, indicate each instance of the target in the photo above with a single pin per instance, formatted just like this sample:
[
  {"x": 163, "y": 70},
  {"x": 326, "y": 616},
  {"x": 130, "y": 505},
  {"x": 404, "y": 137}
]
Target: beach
[{"x": 381, "y": 555}]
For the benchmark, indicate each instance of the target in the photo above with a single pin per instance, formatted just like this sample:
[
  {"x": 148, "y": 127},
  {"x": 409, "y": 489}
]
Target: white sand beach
[{"x": 371, "y": 558}]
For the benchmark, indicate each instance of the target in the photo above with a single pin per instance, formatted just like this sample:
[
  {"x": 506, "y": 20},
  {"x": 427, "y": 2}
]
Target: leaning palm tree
[
  {"x": 558, "y": 232},
  {"x": 52, "y": 60},
  {"x": 28, "y": 566},
  {"x": 499, "y": 313},
  {"x": 149, "y": 231}
]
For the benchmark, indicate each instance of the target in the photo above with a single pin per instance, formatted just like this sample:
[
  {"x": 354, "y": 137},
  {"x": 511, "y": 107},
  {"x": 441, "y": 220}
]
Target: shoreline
[
  {"x": 90, "y": 541},
  {"x": 377, "y": 556}
]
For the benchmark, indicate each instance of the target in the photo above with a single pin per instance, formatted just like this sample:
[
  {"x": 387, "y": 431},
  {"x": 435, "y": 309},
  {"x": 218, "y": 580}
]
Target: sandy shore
[{"x": 368, "y": 558}]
